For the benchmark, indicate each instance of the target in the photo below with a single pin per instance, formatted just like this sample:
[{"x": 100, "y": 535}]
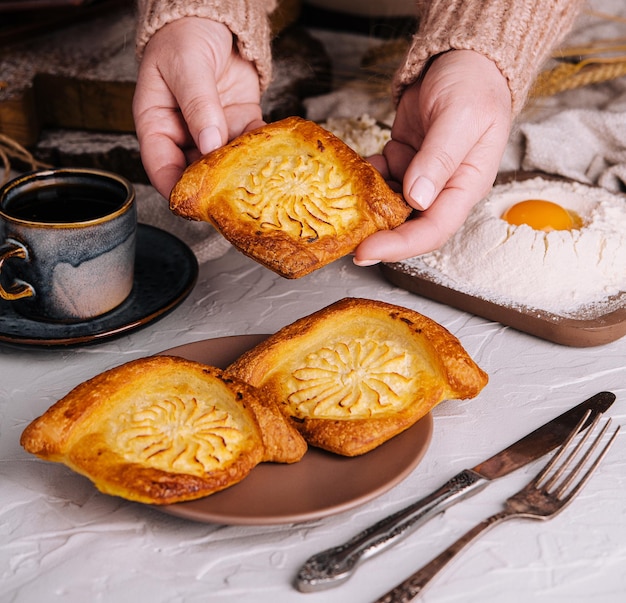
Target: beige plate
[{"x": 320, "y": 484}]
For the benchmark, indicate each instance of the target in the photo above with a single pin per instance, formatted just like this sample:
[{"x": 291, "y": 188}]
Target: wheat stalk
[
  {"x": 568, "y": 76},
  {"x": 596, "y": 62},
  {"x": 10, "y": 150}
]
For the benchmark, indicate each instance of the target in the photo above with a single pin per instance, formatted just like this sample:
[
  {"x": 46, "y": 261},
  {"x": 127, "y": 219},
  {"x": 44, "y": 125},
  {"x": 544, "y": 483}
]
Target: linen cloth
[
  {"x": 587, "y": 143},
  {"x": 581, "y": 133}
]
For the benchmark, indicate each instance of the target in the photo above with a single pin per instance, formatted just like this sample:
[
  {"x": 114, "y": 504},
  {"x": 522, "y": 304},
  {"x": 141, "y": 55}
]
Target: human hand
[
  {"x": 194, "y": 93},
  {"x": 448, "y": 137}
]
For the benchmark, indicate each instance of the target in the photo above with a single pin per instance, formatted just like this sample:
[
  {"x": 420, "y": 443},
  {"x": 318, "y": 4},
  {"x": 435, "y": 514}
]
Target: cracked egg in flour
[{"x": 572, "y": 258}]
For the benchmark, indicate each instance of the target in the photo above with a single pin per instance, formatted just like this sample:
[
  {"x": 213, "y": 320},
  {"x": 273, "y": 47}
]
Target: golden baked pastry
[
  {"x": 162, "y": 430},
  {"x": 290, "y": 195},
  {"x": 358, "y": 372}
]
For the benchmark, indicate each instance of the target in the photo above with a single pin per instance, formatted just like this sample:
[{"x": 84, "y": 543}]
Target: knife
[{"x": 335, "y": 565}]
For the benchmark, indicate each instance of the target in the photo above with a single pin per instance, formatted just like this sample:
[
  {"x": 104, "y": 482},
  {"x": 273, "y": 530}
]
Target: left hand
[
  {"x": 448, "y": 137},
  {"x": 194, "y": 93}
]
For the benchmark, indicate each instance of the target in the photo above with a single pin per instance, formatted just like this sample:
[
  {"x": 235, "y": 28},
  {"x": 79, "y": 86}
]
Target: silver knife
[{"x": 335, "y": 565}]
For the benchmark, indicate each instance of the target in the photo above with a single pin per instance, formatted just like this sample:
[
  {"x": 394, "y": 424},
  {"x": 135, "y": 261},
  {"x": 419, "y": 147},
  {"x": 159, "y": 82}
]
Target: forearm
[
  {"x": 517, "y": 36},
  {"x": 246, "y": 19}
]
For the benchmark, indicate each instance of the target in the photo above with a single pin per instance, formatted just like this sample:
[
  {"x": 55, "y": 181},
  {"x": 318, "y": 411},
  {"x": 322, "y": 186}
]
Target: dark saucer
[{"x": 166, "y": 271}]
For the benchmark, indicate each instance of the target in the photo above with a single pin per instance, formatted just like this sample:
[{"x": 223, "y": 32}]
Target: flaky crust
[
  {"x": 359, "y": 371},
  {"x": 290, "y": 195},
  {"x": 162, "y": 430}
]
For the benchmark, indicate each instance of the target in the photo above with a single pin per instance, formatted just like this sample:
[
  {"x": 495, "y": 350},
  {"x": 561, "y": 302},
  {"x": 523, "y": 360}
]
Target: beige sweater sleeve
[
  {"x": 517, "y": 35},
  {"x": 247, "y": 19}
]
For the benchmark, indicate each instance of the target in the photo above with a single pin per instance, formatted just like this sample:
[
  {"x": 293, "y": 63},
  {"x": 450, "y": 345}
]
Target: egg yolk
[{"x": 541, "y": 215}]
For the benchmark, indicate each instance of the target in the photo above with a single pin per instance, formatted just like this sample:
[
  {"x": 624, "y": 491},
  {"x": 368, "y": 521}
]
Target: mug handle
[{"x": 19, "y": 289}]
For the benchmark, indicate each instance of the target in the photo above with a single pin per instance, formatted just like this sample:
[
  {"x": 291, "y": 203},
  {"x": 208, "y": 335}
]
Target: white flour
[
  {"x": 362, "y": 133},
  {"x": 563, "y": 272}
]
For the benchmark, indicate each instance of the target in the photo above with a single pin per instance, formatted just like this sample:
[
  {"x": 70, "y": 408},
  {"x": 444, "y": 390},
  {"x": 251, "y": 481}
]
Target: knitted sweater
[
  {"x": 517, "y": 35},
  {"x": 246, "y": 19}
]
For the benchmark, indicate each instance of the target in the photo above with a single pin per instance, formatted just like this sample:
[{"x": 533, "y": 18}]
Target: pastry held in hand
[
  {"x": 359, "y": 371},
  {"x": 290, "y": 195},
  {"x": 162, "y": 430}
]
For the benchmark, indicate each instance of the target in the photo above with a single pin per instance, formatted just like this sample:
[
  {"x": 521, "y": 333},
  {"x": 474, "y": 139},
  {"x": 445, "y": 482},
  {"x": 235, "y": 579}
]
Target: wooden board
[
  {"x": 71, "y": 76},
  {"x": 586, "y": 330},
  {"x": 80, "y": 73},
  {"x": 574, "y": 332}
]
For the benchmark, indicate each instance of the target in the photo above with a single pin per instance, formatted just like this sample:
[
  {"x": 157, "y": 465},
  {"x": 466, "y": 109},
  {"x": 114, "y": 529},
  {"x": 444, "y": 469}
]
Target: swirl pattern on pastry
[
  {"x": 178, "y": 433},
  {"x": 300, "y": 196},
  {"x": 360, "y": 380}
]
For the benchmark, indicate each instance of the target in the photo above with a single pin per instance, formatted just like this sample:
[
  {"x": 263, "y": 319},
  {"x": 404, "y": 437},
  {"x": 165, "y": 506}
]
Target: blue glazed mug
[{"x": 67, "y": 243}]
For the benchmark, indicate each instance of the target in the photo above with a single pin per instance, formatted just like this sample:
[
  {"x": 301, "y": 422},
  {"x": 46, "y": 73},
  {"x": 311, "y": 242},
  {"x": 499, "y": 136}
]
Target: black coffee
[{"x": 63, "y": 203}]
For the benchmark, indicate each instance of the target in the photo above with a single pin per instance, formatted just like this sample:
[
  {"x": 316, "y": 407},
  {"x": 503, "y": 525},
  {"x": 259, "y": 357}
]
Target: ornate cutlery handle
[{"x": 335, "y": 565}]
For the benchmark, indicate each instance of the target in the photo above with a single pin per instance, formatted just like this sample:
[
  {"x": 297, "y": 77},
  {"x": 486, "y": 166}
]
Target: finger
[
  {"x": 428, "y": 231},
  {"x": 443, "y": 150},
  {"x": 201, "y": 108},
  {"x": 380, "y": 163},
  {"x": 398, "y": 156},
  {"x": 243, "y": 117},
  {"x": 161, "y": 133}
]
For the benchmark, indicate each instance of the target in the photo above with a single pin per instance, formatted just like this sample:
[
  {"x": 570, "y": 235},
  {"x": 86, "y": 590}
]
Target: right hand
[
  {"x": 194, "y": 93},
  {"x": 447, "y": 141}
]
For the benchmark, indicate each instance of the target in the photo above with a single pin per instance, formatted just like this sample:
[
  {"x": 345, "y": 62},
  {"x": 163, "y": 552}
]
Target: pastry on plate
[
  {"x": 358, "y": 372},
  {"x": 162, "y": 430},
  {"x": 290, "y": 195}
]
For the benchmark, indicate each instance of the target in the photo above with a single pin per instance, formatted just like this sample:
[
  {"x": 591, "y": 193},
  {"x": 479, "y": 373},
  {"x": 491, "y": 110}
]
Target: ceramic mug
[{"x": 67, "y": 243}]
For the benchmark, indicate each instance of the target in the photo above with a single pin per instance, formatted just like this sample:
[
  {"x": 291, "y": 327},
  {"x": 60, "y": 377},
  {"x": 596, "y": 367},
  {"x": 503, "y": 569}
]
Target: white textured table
[{"x": 60, "y": 540}]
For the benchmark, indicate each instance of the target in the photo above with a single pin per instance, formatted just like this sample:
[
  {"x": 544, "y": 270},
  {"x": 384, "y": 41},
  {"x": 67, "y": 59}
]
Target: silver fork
[{"x": 545, "y": 496}]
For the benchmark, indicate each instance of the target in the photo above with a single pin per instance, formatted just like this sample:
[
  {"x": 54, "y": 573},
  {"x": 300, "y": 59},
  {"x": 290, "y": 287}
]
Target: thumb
[
  {"x": 202, "y": 111},
  {"x": 441, "y": 153}
]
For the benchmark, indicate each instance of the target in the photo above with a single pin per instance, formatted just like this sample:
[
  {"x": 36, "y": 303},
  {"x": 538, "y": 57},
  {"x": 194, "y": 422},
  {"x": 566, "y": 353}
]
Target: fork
[{"x": 543, "y": 498}]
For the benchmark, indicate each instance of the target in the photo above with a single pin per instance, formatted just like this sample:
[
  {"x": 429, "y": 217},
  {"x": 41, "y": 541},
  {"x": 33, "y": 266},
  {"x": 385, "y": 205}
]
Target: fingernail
[
  {"x": 209, "y": 140},
  {"x": 422, "y": 193},
  {"x": 365, "y": 262}
]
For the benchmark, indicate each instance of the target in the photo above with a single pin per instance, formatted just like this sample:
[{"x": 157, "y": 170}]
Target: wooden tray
[{"x": 576, "y": 332}]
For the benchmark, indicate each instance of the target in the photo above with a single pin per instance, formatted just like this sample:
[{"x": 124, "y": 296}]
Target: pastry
[
  {"x": 290, "y": 195},
  {"x": 162, "y": 430},
  {"x": 358, "y": 372}
]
